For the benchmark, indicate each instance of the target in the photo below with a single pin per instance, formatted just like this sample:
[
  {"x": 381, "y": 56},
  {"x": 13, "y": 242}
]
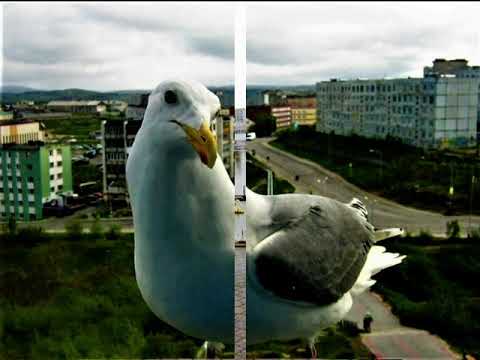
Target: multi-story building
[
  {"x": 458, "y": 68},
  {"x": 117, "y": 138},
  {"x": 431, "y": 112},
  {"x": 137, "y": 105},
  {"x": 283, "y": 115},
  {"x": 304, "y": 116},
  {"x": 274, "y": 98},
  {"x": 88, "y": 106},
  {"x": 20, "y": 132},
  {"x": 31, "y": 175},
  {"x": 304, "y": 109},
  {"x": 224, "y": 127}
]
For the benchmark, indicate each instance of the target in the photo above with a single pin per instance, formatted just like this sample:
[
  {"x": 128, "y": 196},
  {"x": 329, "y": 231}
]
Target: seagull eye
[{"x": 170, "y": 97}]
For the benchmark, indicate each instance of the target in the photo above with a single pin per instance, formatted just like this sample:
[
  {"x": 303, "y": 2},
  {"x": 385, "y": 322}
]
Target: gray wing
[{"x": 314, "y": 255}]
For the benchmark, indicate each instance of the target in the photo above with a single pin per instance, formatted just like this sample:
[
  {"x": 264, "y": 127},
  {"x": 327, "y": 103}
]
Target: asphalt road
[{"x": 383, "y": 213}]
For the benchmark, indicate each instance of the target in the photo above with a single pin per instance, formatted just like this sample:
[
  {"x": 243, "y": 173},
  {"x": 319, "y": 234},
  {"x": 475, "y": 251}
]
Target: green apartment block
[{"x": 31, "y": 175}]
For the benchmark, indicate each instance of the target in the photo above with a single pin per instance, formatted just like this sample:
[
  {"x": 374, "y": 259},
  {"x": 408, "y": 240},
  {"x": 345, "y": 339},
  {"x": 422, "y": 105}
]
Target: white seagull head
[{"x": 183, "y": 110}]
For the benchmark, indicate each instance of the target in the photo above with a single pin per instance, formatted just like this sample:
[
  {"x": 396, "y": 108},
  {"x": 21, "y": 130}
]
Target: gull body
[{"x": 184, "y": 233}]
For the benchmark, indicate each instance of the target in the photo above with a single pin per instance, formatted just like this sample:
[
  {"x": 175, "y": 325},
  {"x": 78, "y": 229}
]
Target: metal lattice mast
[{"x": 240, "y": 185}]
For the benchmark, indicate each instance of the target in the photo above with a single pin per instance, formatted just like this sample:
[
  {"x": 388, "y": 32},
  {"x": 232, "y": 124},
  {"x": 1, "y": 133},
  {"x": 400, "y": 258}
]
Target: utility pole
[{"x": 240, "y": 301}]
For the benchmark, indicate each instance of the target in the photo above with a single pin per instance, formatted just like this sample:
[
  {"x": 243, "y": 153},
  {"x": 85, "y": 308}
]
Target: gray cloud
[
  {"x": 107, "y": 46},
  {"x": 135, "y": 45}
]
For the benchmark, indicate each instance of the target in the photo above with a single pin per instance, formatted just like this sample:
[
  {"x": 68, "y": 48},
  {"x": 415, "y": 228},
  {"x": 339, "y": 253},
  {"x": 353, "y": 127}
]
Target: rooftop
[{"x": 75, "y": 103}]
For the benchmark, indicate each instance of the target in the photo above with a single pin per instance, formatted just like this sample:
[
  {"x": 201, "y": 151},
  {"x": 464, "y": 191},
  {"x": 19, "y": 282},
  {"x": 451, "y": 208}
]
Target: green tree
[
  {"x": 96, "y": 229},
  {"x": 453, "y": 229},
  {"x": 113, "y": 233},
  {"x": 12, "y": 225},
  {"x": 265, "y": 125},
  {"x": 74, "y": 229}
]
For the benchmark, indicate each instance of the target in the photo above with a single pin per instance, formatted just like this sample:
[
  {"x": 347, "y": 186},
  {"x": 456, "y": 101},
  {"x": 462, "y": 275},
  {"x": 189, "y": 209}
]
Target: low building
[
  {"x": 88, "y": 106},
  {"x": 20, "y": 132},
  {"x": 274, "y": 98},
  {"x": 25, "y": 105},
  {"x": 31, "y": 175},
  {"x": 116, "y": 106}
]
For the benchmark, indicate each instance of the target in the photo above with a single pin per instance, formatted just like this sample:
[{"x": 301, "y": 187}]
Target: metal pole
[
  {"x": 269, "y": 182},
  {"x": 381, "y": 166},
  {"x": 240, "y": 301},
  {"x": 471, "y": 205}
]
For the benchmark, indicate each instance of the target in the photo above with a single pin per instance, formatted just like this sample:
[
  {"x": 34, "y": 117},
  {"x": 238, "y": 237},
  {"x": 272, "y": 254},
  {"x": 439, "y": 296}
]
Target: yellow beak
[{"x": 203, "y": 141}]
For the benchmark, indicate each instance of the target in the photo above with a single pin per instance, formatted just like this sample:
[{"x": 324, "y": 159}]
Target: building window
[
  {"x": 30, "y": 179},
  {"x": 59, "y": 176},
  {"x": 51, "y": 152},
  {"x": 60, "y": 187},
  {"x": 52, "y": 177},
  {"x": 29, "y": 167},
  {"x": 52, "y": 189},
  {"x": 51, "y": 165},
  {"x": 59, "y": 163}
]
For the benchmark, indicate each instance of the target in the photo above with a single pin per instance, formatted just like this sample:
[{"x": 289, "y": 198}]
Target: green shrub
[
  {"x": 74, "y": 229},
  {"x": 113, "y": 232},
  {"x": 453, "y": 229},
  {"x": 96, "y": 229}
]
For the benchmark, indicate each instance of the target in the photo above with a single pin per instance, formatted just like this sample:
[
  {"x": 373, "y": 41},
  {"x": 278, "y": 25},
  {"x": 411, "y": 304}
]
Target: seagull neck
[{"x": 182, "y": 198}]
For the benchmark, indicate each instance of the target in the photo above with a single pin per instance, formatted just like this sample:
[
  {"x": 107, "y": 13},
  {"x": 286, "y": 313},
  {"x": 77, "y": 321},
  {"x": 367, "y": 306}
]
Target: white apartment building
[{"x": 430, "y": 112}]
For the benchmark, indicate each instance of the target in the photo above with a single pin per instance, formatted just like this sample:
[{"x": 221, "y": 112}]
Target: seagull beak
[{"x": 203, "y": 141}]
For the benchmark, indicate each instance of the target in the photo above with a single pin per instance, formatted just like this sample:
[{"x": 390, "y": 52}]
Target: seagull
[{"x": 307, "y": 255}]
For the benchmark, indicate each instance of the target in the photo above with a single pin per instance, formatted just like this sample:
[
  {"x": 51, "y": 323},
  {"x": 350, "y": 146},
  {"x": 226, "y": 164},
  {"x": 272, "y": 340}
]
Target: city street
[{"x": 383, "y": 213}]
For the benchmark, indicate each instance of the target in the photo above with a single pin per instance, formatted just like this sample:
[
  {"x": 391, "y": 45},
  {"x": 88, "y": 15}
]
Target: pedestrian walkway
[{"x": 391, "y": 340}]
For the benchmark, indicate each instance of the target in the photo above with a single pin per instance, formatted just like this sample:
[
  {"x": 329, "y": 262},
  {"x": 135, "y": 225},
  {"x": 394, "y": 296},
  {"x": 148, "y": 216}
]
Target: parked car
[{"x": 251, "y": 136}]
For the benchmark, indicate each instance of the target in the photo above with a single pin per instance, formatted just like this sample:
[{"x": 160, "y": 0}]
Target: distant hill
[
  {"x": 10, "y": 94},
  {"x": 67, "y": 94},
  {"x": 15, "y": 89}
]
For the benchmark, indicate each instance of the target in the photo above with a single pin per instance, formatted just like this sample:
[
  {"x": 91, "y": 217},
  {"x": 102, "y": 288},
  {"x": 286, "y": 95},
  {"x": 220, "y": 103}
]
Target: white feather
[{"x": 377, "y": 260}]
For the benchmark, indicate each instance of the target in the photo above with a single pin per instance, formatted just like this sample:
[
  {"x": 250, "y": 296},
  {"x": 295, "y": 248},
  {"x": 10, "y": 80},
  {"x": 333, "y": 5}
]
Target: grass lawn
[
  {"x": 436, "y": 288},
  {"x": 402, "y": 173},
  {"x": 79, "y": 126},
  {"x": 70, "y": 297}
]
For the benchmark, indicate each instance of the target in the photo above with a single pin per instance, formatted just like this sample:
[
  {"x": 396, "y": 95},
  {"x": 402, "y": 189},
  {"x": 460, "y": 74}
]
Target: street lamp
[
  {"x": 381, "y": 162},
  {"x": 269, "y": 179}
]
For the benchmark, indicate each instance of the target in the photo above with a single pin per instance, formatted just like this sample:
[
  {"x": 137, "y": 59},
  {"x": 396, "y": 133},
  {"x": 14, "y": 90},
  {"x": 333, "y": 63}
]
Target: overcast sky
[{"x": 115, "y": 46}]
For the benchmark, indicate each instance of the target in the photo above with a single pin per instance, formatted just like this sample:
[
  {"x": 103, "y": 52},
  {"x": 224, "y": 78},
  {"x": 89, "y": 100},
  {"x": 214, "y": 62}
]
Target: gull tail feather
[
  {"x": 377, "y": 260},
  {"x": 383, "y": 234}
]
